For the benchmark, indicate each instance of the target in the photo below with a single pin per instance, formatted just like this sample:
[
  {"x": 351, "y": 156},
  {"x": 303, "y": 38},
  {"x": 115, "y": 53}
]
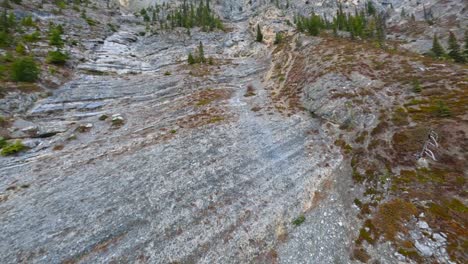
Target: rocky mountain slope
[{"x": 292, "y": 149}]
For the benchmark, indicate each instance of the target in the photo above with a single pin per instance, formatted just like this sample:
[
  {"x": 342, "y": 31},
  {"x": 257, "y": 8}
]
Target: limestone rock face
[
  {"x": 137, "y": 156},
  {"x": 328, "y": 99}
]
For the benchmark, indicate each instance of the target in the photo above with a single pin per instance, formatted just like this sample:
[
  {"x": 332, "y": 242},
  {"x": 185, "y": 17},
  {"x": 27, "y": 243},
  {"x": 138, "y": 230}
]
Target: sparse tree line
[
  {"x": 198, "y": 57},
  {"x": 454, "y": 50},
  {"x": 369, "y": 24},
  {"x": 186, "y": 15},
  {"x": 365, "y": 23},
  {"x": 17, "y": 37},
  {"x": 18, "y": 63}
]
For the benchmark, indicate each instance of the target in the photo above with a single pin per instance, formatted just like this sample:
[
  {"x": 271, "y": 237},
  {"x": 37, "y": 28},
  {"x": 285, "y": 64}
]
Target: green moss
[
  {"x": 457, "y": 206},
  {"x": 216, "y": 119},
  {"x": 357, "y": 202},
  {"x": 91, "y": 22},
  {"x": 365, "y": 236},
  {"x": 3, "y": 121},
  {"x": 3, "y": 142},
  {"x": 203, "y": 102},
  {"x": 357, "y": 177},
  {"x": 414, "y": 102},
  {"x": 371, "y": 191},
  {"x": 13, "y": 148},
  {"x": 410, "y": 253},
  {"x": 346, "y": 147},
  {"x": 299, "y": 220},
  {"x": 360, "y": 139}
]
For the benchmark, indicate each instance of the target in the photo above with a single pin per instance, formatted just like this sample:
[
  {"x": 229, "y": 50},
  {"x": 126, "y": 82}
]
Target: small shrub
[
  {"x": 112, "y": 27},
  {"x": 390, "y": 216},
  {"x": 361, "y": 255},
  {"x": 61, "y": 4},
  {"x": 250, "y": 91},
  {"x": 173, "y": 131},
  {"x": 20, "y": 49},
  {"x": 5, "y": 39},
  {"x": 3, "y": 142},
  {"x": 299, "y": 220},
  {"x": 57, "y": 57},
  {"x": 55, "y": 36},
  {"x": 278, "y": 38},
  {"x": 216, "y": 119},
  {"x": 58, "y": 147},
  {"x": 191, "y": 59},
  {"x": 33, "y": 37},
  {"x": 24, "y": 70},
  {"x": 167, "y": 73},
  {"x": 3, "y": 121},
  {"x": 203, "y": 102},
  {"x": 442, "y": 110},
  {"x": 416, "y": 86},
  {"x": 91, "y": 22},
  {"x": 13, "y": 148},
  {"x": 103, "y": 117},
  {"x": 28, "y": 22}
]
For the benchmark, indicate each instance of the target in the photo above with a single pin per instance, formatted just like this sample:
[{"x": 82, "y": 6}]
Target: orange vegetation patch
[
  {"x": 391, "y": 215},
  {"x": 207, "y": 96}
]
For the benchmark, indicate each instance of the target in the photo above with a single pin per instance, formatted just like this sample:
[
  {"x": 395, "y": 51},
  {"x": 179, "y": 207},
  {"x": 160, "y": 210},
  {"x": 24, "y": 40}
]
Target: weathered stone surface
[{"x": 186, "y": 176}]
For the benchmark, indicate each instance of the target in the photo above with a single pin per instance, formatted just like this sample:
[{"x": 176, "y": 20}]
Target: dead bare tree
[{"x": 431, "y": 142}]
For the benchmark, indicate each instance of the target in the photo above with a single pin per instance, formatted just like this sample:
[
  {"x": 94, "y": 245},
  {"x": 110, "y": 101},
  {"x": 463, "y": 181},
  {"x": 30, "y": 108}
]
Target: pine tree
[
  {"x": 11, "y": 21},
  {"x": 466, "y": 45},
  {"x": 299, "y": 25},
  {"x": 370, "y": 8},
  {"x": 380, "y": 32},
  {"x": 437, "y": 49},
  {"x": 278, "y": 38},
  {"x": 190, "y": 59},
  {"x": 454, "y": 48},
  {"x": 201, "y": 53},
  {"x": 340, "y": 17},
  {"x": 6, "y": 4},
  {"x": 4, "y": 21},
  {"x": 314, "y": 25},
  {"x": 55, "y": 36},
  {"x": 259, "y": 34},
  {"x": 24, "y": 70}
]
